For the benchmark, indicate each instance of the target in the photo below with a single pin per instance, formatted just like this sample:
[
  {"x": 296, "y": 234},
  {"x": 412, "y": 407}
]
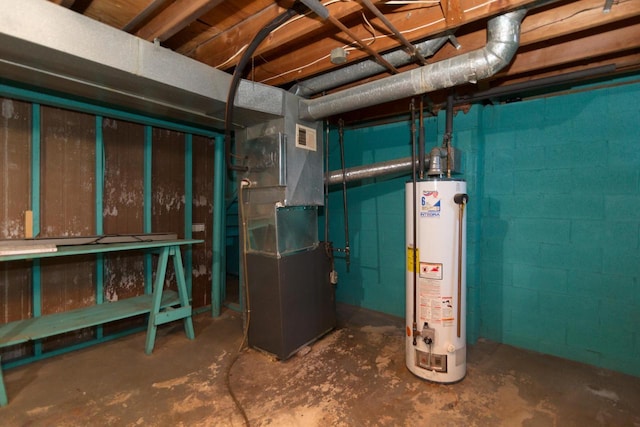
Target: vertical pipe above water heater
[
  {"x": 414, "y": 328},
  {"x": 421, "y": 144},
  {"x": 449, "y": 133}
]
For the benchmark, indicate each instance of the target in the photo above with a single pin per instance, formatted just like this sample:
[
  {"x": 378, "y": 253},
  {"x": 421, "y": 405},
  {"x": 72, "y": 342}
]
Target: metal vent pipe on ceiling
[
  {"x": 364, "y": 69},
  {"x": 503, "y": 39}
]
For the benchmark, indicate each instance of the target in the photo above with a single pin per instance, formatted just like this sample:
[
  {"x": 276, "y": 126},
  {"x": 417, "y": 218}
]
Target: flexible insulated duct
[{"x": 503, "y": 35}]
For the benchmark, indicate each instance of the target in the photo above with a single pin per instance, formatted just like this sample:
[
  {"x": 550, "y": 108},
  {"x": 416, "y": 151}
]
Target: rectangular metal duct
[{"x": 51, "y": 47}]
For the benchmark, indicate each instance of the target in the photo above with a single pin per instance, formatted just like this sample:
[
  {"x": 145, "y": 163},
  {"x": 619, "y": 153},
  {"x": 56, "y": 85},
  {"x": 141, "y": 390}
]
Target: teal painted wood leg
[
  {"x": 183, "y": 293},
  {"x": 4, "y": 400},
  {"x": 152, "y": 327}
]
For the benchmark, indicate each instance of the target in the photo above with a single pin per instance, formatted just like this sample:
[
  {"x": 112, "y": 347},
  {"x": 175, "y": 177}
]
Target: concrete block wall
[
  {"x": 561, "y": 226},
  {"x": 376, "y": 278},
  {"x": 553, "y": 256}
]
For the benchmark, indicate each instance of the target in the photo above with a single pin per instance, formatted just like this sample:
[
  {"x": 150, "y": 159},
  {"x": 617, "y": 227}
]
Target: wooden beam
[
  {"x": 584, "y": 49},
  {"x": 622, "y": 62},
  {"x": 220, "y": 48},
  {"x": 452, "y": 11},
  {"x": 419, "y": 24},
  {"x": 573, "y": 17},
  {"x": 556, "y": 24},
  {"x": 145, "y": 14},
  {"x": 64, "y": 3},
  {"x": 175, "y": 17},
  {"x": 223, "y": 18}
]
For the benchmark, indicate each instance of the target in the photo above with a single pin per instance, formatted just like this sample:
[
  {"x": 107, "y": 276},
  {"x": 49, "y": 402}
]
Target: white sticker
[
  {"x": 430, "y": 270},
  {"x": 306, "y": 138},
  {"x": 430, "y": 204}
]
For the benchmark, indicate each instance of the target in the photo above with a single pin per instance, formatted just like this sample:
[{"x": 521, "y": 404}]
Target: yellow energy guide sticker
[{"x": 411, "y": 266}]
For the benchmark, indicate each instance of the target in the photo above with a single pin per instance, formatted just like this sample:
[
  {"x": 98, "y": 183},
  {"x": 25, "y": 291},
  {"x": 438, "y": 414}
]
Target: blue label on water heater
[{"x": 430, "y": 204}]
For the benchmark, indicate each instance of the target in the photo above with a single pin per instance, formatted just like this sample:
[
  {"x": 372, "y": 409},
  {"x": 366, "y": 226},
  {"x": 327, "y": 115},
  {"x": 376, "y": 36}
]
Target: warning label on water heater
[
  {"x": 410, "y": 259},
  {"x": 430, "y": 204},
  {"x": 429, "y": 270}
]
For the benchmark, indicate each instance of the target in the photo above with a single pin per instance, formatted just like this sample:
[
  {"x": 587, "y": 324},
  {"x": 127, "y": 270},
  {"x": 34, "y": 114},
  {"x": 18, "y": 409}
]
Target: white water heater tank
[{"x": 436, "y": 292}]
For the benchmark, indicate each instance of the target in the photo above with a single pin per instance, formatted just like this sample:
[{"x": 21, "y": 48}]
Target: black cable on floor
[
  {"x": 247, "y": 306},
  {"x": 227, "y": 380}
]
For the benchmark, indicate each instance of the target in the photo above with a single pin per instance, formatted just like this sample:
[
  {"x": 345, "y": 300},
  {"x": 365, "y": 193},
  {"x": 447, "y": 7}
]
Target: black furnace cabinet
[{"x": 292, "y": 300}]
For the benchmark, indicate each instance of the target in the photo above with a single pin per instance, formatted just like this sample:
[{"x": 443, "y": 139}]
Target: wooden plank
[
  {"x": 306, "y": 58},
  {"x": 154, "y": 7},
  {"x": 225, "y": 17},
  {"x": 15, "y": 184},
  {"x": 452, "y": 10},
  {"x": 573, "y": 17},
  {"x": 116, "y": 13},
  {"x": 104, "y": 248},
  {"x": 219, "y": 49},
  {"x": 202, "y": 255},
  {"x": 67, "y": 201},
  {"x": 123, "y": 205},
  {"x": 175, "y": 17},
  {"x": 556, "y": 26},
  {"x": 86, "y": 240},
  {"x": 28, "y": 224},
  {"x": 41, "y": 327},
  {"x": 623, "y": 39},
  {"x": 15, "y": 166},
  {"x": 623, "y": 64},
  {"x": 168, "y": 191},
  {"x": 64, "y": 3}
]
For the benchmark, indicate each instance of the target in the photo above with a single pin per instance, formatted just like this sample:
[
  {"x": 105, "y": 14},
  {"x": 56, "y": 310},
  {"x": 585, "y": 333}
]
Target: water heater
[{"x": 436, "y": 279}]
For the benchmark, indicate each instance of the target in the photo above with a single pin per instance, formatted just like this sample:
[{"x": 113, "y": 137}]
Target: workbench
[{"x": 162, "y": 305}]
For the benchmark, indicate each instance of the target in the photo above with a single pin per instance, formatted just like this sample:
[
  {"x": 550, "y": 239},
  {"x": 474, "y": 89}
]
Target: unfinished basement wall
[
  {"x": 554, "y": 222},
  {"x": 561, "y": 223},
  {"x": 15, "y": 193},
  {"x": 202, "y": 254},
  {"x": 376, "y": 279},
  {"x": 64, "y": 186}
]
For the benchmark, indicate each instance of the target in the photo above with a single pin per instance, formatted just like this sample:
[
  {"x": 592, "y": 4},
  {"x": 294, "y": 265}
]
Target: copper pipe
[
  {"x": 460, "y": 218},
  {"x": 460, "y": 200}
]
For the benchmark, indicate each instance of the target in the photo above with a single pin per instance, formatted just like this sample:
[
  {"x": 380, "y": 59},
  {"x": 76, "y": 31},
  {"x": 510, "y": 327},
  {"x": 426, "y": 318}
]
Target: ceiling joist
[
  {"x": 174, "y": 18},
  {"x": 557, "y": 37}
]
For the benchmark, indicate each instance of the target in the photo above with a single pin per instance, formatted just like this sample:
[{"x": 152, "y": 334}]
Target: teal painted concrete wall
[
  {"x": 560, "y": 226},
  {"x": 376, "y": 279},
  {"x": 554, "y": 222}
]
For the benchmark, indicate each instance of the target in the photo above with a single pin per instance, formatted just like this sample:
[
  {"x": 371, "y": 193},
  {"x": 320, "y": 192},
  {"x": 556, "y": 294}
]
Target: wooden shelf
[
  {"x": 158, "y": 305},
  {"x": 35, "y": 328}
]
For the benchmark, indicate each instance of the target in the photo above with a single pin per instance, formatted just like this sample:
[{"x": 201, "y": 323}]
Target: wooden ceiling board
[
  {"x": 573, "y": 17},
  {"x": 558, "y": 37},
  {"x": 300, "y": 29},
  {"x": 314, "y": 58},
  {"x": 116, "y": 13},
  {"x": 570, "y": 51},
  {"x": 174, "y": 18}
]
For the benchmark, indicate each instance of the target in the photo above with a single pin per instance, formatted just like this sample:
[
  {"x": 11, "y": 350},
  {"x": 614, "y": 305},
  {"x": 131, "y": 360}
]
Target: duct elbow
[{"x": 504, "y": 40}]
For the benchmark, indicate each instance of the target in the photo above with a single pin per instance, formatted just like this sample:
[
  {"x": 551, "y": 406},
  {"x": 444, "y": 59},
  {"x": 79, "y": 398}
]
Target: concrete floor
[{"x": 355, "y": 376}]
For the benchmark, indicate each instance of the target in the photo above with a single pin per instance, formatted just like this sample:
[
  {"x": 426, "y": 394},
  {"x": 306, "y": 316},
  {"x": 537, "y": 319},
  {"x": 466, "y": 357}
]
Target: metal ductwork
[
  {"x": 54, "y": 48},
  {"x": 364, "y": 69},
  {"x": 503, "y": 35},
  {"x": 391, "y": 168}
]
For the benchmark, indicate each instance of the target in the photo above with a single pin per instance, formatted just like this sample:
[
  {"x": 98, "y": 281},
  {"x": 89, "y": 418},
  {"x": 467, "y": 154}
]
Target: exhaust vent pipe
[
  {"x": 503, "y": 35},
  {"x": 363, "y": 69}
]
